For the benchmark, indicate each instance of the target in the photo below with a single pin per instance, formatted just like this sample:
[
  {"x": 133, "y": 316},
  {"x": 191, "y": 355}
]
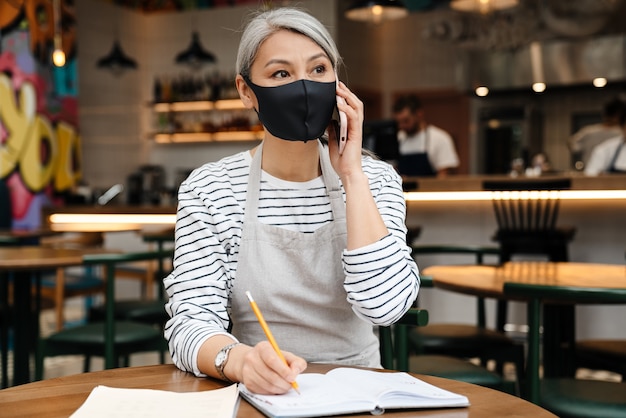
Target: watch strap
[{"x": 220, "y": 367}]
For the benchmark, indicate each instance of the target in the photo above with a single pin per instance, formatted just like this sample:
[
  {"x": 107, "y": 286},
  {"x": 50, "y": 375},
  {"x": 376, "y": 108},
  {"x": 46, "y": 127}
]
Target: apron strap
[{"x": 331, "y": 181}]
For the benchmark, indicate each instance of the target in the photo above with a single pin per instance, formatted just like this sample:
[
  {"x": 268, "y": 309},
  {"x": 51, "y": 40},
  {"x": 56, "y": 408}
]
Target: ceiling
[
  {"x": 150, "y": 6},
  {"x": 532, "y": 20}
]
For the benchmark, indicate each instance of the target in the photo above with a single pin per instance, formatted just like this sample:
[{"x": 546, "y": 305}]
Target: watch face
[{"x": 219, "y": 359}]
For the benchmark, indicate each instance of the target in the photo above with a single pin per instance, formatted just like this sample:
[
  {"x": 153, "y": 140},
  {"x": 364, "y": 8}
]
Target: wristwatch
[{"x": 221, "y": 359}]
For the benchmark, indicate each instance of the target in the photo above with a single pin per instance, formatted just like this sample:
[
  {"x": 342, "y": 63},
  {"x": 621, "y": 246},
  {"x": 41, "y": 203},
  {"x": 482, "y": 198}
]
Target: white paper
[{"x": 108, "y": 402}]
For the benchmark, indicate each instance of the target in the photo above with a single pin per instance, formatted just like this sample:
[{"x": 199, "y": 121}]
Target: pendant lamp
[
  {"x": 195, "y": 55},
  {"x": 376, "y": 11},
  {"x": 116, "y": 61}
]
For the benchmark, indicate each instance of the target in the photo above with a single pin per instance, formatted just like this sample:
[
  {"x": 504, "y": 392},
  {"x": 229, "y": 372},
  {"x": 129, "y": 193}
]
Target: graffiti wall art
[{"x": 40, "y": 150}]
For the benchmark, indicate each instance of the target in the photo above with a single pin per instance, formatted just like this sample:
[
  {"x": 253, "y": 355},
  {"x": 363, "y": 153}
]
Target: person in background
[
  {"x": 610, "y": 155},
  {"x": 584, "y": 140},
  {"x": 425, "y": 150},
  {"x": 317, "y": 237}
]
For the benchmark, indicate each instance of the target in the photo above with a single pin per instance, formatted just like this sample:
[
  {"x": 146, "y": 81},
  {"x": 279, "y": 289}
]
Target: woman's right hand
[{"x": 264, "y": 372}]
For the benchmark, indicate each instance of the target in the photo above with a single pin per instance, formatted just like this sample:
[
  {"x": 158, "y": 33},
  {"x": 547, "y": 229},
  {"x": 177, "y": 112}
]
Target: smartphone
[{"x": 341, "y": 125}]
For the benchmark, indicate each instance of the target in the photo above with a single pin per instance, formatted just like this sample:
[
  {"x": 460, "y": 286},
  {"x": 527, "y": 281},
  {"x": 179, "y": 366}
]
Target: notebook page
[{"x": 108, "y": 402}]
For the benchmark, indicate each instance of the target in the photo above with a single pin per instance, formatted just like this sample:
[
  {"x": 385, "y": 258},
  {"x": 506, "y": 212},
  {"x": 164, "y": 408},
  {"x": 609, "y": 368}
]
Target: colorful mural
[{"x": 40, "y": 153}]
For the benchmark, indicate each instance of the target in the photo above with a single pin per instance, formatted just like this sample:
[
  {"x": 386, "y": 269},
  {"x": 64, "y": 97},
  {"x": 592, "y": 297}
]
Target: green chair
[
  {"x": 112, "y": 339},
  {"x": 602, "y": 354},
  {"x": 577, "y": 398},
  {"x": 150, "y": 312},
  {"x": 142, "y": 310},
  {"x": 394, "y": 349},
  {"x": 566, "y": 396},
  {"x": 467, "y": 340}
]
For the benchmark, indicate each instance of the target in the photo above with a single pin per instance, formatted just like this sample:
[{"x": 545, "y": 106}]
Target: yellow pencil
[{"x": 269, "y": 335}]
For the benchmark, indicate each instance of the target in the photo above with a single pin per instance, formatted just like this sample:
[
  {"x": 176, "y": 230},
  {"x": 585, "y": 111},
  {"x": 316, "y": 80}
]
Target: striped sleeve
[
  {"x": 208, "y": 229},
  {"x": 382, "y": 279}
]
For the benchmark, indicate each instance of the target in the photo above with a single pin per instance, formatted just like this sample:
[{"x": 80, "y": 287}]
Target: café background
[{"x": 115, "y": 118}]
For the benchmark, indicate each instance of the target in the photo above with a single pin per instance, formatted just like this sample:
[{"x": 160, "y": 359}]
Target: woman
[{"x": 318, "y": 238}]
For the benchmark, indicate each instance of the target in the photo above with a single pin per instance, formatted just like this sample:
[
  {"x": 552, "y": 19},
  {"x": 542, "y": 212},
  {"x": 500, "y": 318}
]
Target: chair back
[
  {"x": 394, "y": 342},
  {"x": 528, "y": 206},
  {"x": 478, "y": 252},
  {"x": 109, "y": 261}
]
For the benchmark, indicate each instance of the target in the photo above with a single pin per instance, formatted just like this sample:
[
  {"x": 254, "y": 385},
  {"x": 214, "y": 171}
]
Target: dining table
[
  {"x": 20, "y": 265},
  {"x": 22, "y": 236},
  {"x": 562, "y": 285},
  {"x": 61, "y": 396}
]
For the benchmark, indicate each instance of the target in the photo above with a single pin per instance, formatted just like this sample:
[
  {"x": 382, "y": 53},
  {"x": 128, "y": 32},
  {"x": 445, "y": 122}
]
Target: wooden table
[
  {"x": 562, "y": 284},
  {"x": 23, "y": 236},
  {"x": 61, "y": 396},
  {"x": 21, "y": 263}
]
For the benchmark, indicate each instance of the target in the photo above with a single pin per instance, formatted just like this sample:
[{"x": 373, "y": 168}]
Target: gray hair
[{"x": 285, "y": 18}]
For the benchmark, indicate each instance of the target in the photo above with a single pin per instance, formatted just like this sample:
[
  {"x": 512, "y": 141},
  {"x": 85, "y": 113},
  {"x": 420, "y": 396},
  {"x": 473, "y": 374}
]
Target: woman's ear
[{"x": 245, "y": 92}]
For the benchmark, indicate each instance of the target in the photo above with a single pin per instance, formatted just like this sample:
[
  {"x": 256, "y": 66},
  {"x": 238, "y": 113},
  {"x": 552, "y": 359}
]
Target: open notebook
[{"x": 348, "y": 390}]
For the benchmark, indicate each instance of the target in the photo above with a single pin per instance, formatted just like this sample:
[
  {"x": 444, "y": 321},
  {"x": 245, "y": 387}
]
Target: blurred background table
[
  {"x": 20, "y": 264},
  {"x": 605, "y": 280}
]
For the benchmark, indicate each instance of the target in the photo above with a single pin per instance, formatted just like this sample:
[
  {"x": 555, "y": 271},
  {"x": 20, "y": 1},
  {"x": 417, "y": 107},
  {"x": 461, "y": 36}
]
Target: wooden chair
[
  {"x": 395, "y": 354},
  {"x": 467, "y": 340},
  {"x": 110, "y": 338},
  {"x": 527, "y": 212},
  {"x": 59, "y": 286}
]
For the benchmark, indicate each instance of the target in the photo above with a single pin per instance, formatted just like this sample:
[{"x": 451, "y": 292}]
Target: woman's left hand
[{"x": 349, "y": 162}]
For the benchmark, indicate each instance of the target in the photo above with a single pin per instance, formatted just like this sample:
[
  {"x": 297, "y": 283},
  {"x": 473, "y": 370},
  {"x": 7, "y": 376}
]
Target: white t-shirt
[
  {"x": 441, "y": 151},
  {"x": 586, "y": 139},
  {"x": 603, "y": 154}
]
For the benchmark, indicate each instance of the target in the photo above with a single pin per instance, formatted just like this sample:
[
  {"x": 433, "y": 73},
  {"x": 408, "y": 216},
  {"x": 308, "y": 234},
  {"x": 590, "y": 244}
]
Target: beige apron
[{"x": 297, "y": 281}]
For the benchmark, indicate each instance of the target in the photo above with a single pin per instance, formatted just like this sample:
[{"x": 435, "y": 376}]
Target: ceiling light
[
  {"x": 599, "y": 82},
  {"x": 539, "y": 87},
  {"x": 482, "y": 6},
  {"x": 195, "y": 55},
  {"x": 116, "y": 61},
  {"x": 482, "y": 91},
  {"x": 376, "y": 11}
]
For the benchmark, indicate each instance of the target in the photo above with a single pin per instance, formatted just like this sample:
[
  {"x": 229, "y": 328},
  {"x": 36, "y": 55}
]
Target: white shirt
[
  {"x": 586, "y": 139},
  {"x": 603, "y": 154},
  {"x": 434, "y": 141}
]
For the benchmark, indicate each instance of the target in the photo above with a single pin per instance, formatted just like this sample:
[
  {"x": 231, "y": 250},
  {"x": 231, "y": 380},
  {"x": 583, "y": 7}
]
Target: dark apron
[
  {"x": 612, "y": 168},
  {"x": 417, "y": 164}
]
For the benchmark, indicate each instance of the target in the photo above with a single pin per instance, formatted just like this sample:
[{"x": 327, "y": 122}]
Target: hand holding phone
[{"x": 342, "y": 121}]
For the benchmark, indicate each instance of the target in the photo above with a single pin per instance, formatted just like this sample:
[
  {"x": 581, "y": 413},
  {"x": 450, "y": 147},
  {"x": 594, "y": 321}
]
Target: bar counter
[{"x": 474, "y": 182}]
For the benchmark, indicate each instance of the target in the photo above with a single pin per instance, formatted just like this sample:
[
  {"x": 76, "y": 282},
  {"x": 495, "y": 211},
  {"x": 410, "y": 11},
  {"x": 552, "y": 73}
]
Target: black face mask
[{"x": 298, "y": 111}]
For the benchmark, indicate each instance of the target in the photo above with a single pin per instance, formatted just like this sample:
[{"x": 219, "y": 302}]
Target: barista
[
  {"x": 425, "y": 150},
  {"x": 610, "y": 155}
]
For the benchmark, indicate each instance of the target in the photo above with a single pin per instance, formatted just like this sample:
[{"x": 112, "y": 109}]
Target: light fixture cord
[{"x": 56, "y": 14}]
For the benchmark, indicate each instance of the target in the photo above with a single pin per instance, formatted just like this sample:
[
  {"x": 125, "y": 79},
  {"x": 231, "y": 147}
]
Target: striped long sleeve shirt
[{"x": 211, "y": 204}]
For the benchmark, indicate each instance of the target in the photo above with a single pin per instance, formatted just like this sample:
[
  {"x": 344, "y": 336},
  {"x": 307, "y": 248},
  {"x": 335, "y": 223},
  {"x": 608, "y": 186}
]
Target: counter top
[{"x": 474, "y": 182}]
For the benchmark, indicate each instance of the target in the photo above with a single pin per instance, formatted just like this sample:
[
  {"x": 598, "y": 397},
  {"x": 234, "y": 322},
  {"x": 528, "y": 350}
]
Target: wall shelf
[
  {"x": 205, "y": 121},
  {"x": 190, "y": 137}
]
